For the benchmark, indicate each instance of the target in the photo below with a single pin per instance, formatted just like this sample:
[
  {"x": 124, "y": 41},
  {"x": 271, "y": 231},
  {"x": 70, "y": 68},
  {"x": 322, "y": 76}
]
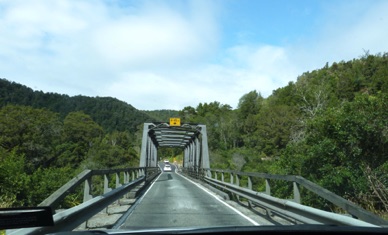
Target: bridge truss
[{"x": 191, "y": 138}]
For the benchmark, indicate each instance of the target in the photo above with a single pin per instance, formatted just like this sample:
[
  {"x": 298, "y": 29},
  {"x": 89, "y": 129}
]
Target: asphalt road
[{"x": 174, "y": 201}]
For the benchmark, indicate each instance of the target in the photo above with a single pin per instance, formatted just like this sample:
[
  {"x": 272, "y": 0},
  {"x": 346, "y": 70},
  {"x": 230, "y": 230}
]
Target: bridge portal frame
[{"x": 191, "y": 138}]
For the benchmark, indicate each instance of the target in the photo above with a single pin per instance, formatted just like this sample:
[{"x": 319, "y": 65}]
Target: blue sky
[{"x": 159, "y": 54}]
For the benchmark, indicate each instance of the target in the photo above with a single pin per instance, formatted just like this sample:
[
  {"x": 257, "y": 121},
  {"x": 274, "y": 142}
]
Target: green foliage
[
  {"x": 39, "y": 153},
  {"x": 274, "y": 128},
  {"x": 170, "y": 154},
  {"x": 340, "y": 143},
  {"x": 32, "y": 132},
  {"x": 162, "y": 115},
  {"x": 110, "y": 113},
  {"x": 219, "y": 120},
  {"x": 249, "y": 107},
  {"x": 79, "y": 127},
  {"x": 14, "y": 180},
  {"x": 112, "y": 151},
  {"x": 330, "y": 127},
  {"x": 45, "y": 181},
  {"x": 80, "y": 133}
]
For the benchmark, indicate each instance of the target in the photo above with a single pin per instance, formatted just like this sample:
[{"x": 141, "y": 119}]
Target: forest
[{"x": 329, "y": 126}]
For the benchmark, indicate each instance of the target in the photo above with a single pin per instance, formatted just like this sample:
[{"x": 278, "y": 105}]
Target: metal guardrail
[
  {"x": 289, "y": 207},
  {"x": 73, "y": 217}
]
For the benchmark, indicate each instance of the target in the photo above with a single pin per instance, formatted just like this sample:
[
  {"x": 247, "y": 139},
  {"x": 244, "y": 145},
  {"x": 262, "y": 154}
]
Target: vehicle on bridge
[{"x": 167, "y": 167}]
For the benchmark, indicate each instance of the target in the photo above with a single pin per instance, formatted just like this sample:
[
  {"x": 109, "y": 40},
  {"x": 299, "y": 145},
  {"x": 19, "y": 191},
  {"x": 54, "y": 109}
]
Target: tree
[
  {"x": 79, "y": 133},
  {"x": 341, "y": 145},
  {"x": 112, "y": 151},
  {"x": 313, "y": 91},
  {"x": 33, "y": 132},
  {"x": 248, "y": 108},
  {"x": 79, "y": 127},
  {"x": 274, "y": 128},
  {"x": 250, "y": 103},
  {"x": 188, "y": 114},
  {"x": 13, "y": 179}
]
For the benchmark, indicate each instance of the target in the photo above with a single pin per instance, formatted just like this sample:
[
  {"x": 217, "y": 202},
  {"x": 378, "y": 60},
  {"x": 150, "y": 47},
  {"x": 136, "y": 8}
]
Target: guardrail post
[
  {"x": 237, "y": 184},
  {"x": 88, "y": 185},
  {"x": 231, "y": 178},
  {"x": 126, "y": 177},
  {"x": 250, "y": 187},
  {"x": 106, "y": 184},
  {"x": 133, "y": 175},
  {"x": 267, "y": 187},
  {"x": 249, "y": 182},
  {"x": 118, "y": 180},
  {"x": 106, "y": 189},
  {"x": 209, "y": 173},
  {"x": 222, "y": 176},
  {"x": 87, "y": 196},
  {"x": 296, "y": 192}
]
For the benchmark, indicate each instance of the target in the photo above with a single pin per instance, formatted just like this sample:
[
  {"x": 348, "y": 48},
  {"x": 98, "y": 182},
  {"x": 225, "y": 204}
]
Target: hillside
[
  {"x": 329, "y": 126},
  {"x": 111, "y": 113},
  {"x": 162, "y": 115}
]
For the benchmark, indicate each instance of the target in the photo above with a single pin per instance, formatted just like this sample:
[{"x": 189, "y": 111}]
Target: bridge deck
[{"x": 174, "y": 201}]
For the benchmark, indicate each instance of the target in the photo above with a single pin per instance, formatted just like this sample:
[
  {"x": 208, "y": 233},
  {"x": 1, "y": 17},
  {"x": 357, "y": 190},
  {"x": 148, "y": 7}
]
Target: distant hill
[
  {"x": 111, "y": 113},
  {"x": 162, "y": 115}
]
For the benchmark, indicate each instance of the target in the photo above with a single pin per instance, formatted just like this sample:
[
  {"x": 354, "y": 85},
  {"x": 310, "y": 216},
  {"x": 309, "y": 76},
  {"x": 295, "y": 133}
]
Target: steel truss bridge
[
  {"x": 191, "y": 138},
  {"x": 191, "y": 195}
]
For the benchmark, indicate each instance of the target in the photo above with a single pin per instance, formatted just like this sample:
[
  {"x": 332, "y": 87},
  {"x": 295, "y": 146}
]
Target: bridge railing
[
  {"x": 120, "y": 176},
  {"x": 231, "y": 181},
  {"x": 125, "y": 180}
]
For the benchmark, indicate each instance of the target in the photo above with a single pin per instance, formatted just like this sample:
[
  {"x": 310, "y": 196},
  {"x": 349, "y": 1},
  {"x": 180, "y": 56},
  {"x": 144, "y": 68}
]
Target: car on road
[
  {"x": 167, "y": 168},
  {"x": 166, "y": 161}
]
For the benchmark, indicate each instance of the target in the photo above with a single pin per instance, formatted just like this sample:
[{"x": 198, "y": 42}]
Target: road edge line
[{"x": 216, "y": 197}]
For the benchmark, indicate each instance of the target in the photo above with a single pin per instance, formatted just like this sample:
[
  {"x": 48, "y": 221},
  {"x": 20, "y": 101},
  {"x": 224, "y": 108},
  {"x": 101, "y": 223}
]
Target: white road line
[
  {"x": 139, "y": 200},
  {"x": 226, "y": 204},
  {"x": 151, "y": 186}
]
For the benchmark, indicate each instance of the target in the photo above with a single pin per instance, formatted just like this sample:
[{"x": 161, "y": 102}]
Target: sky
[{"x": 169, "y": 54}]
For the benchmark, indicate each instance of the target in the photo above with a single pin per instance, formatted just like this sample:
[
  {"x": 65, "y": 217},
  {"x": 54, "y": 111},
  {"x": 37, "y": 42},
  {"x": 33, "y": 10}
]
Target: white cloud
[
  {"x": 50, "y": 45},
  {"x": 137, "y": 41},
  {"x": 158, "y": 55},
  {"x": 156, "y": 36},
  {"x": 369, "y": 32},
  {"x": 262, "y": 68},
  {"x": 348, "y": 30},
  {"x": 273, "y": 64}
]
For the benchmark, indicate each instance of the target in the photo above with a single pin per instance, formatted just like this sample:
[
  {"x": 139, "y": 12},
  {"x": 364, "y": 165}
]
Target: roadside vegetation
[{"x": 330, "y": 126}]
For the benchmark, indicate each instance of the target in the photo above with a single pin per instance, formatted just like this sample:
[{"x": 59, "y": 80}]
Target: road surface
[{"x": 174, "y": 201}]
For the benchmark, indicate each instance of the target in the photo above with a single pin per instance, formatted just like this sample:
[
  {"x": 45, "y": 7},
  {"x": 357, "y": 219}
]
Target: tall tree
[
  {"x": 80, "y": 131},
  {"x": 33, "y": 132}
]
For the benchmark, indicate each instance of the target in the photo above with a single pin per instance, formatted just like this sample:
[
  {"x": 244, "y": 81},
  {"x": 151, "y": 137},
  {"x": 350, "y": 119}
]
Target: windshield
[{"x": 194, "y": 114}]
